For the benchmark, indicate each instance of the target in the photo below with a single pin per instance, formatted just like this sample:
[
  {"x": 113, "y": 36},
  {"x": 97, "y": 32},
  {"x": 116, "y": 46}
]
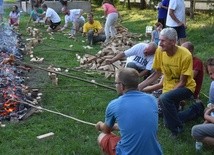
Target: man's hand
[
  {"x": 98, "y": 125},
  {"x": 141, "y": 86}
]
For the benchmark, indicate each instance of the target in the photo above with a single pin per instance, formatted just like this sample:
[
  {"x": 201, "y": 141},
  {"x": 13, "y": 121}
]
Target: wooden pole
[{"x": 69, "y": 76}]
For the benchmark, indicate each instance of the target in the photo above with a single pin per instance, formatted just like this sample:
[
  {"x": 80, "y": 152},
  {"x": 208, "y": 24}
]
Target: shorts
[
  {"x": 53, "y": 26},
  {"x": 181, "y": 31},
  {"x": 108, "y": 143}
]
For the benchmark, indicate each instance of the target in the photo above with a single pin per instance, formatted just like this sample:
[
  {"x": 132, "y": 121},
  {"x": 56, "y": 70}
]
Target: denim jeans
[
  {"x": 169, "y": 103},
  {"x": 92, "y": 39},
  {"x": 133, "y": 65},
  {"x": 194, "y": 111},
  {"x": 111, "y": 21}
]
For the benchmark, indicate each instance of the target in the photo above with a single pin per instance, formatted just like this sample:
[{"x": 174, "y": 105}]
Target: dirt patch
[{"x": 37, "y": 78}]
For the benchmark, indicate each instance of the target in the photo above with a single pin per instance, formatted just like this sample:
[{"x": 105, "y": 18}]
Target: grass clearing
[{"x": 86, "y": 101}]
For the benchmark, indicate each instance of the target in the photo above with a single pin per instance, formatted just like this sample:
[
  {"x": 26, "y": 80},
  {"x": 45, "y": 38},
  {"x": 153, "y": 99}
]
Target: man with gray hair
[
  {"x": 175, "y": 63},
  {"x": 142, "y": 55}
]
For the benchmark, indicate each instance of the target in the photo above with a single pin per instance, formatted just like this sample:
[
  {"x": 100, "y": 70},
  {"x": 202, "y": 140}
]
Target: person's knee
[
  {"x": 90, "y": 32},
  {"x": 131, "y": 65},
  {"x": 100, "y": 137},
  {"x": 195, "y": 133},
  {"x": 162, "y": 98}
]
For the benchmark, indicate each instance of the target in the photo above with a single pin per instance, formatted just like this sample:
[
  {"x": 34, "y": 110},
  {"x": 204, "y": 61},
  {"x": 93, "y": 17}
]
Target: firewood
[
  {"x": 108, "y": 75},
  {"x": 121, "y": 42},
  {"x": 55, "y": 81},
  {"x": 9, "y": 60},
  {"x": 111, "y": 68},
  {"x": 108, "y": 57},
  {"x": 105, "y": 68},
  {"x": 52, "y": 75},
  {"x": 117, "y": 64},
  {"x": 91, "y": 58},
  {"x": 36, "y": 30},
  {"x": 114, "y": 49},
  {"x": 99, "y": 60},
  {"x": 47, "y": 135},
  {"x": 94, "y": 66}
]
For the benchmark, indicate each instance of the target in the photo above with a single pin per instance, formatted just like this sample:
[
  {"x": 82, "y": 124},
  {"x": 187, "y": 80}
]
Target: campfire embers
[{"x": 13, "y": 92}]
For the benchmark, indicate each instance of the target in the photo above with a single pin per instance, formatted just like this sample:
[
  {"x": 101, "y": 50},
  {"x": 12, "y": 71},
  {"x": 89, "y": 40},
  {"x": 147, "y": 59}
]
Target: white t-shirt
[
  {"x": 136, "y": 55},
  {"x": 179, "y": 10},
  {"x": 14, "y": 15},
  {"x": 74, "y": 14},
  {"x": 54, "y": 17}
]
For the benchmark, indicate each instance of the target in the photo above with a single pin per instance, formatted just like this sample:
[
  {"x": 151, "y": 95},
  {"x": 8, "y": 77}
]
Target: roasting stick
[
  {"x": 204, "y": 95},
  {"x": 58, "y": 113},
  {"x": 69, "y": 76}
]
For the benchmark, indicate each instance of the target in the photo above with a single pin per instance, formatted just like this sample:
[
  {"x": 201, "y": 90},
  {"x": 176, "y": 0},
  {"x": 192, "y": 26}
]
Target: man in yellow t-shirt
[
  {"x": 93, "y": 29},
  {"x": 175, "y": 63}
]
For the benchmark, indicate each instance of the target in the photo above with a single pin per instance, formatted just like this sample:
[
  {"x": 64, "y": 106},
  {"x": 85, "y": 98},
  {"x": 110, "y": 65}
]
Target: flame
[{"x": 8, "y": 107}]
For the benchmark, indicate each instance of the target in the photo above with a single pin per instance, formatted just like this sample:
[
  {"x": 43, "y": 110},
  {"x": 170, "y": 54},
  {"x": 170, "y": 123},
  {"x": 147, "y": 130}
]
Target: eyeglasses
[{"x": 117, "y": 83}]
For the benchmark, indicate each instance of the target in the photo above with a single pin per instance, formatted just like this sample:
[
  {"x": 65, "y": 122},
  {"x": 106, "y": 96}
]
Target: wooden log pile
[
  {"x": 121, "y": 42},
  {"x": 35, "y": 39}
]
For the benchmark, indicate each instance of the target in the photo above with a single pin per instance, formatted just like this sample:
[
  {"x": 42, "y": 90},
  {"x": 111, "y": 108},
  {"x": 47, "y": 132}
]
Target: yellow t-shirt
[
  {"x": 173, "y": 66},
  {"x": 95, "y": 26}
]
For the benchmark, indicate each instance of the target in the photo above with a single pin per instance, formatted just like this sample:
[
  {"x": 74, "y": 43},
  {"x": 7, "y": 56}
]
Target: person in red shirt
[{"x": 198, "y": 69}]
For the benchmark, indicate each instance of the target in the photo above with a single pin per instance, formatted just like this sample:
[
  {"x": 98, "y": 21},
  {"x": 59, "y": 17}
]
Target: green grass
[
  {"x": 10, "y": 1},
  {"x": 86, "y": 101}
]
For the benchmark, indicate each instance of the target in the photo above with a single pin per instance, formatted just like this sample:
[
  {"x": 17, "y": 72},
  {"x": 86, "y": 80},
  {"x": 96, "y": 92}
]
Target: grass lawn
[{"x": 87, "y": 101}]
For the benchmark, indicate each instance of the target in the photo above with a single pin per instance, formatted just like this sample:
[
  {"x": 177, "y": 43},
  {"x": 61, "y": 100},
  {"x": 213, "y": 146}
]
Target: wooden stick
[
  {"x": 51, "y": 111},
  {"x": 69, "y": 76},
  {"x": 45, "y": 135}
]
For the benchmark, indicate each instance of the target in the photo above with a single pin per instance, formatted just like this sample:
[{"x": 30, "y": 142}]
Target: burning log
[
  {"x": 9, "y": 60},
  {"x": 12, "y": 88}
]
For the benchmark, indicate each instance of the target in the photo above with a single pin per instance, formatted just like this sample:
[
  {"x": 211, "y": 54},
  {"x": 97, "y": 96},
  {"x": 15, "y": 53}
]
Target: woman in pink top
[{"x": 111, "y": 15}]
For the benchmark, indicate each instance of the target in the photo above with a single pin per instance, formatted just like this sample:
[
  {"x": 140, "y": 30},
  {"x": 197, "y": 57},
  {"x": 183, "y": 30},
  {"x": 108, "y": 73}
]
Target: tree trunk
[
  {"x": 192, "y": 8},
  {"x": 142, "y": 4},
  {"x": 129, "y": 5}
]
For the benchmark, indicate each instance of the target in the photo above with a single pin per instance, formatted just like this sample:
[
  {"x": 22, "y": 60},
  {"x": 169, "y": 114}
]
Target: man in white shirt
[
  {"x": 52, "y": 18},
  {"x": 141, "y": 55},
  {"x": 176, "y": 19},
  {"x": 74, "y": 16}
]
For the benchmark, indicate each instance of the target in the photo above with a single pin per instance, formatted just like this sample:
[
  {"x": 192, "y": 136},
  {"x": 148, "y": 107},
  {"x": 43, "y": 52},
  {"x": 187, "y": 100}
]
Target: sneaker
[
  {"x": 198, "y": 146},
  {"x": 175, "y": 134}
]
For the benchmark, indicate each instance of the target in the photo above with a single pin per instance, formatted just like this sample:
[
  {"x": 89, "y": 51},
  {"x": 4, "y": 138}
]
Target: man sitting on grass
[
  {"x": 176, "y": 65},
  {"x": 94, "y": 30},
  {"x": 135, "y": 114}
]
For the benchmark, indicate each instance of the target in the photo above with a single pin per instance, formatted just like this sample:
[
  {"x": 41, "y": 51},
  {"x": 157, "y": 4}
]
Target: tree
[
  {"x": 142, "y": 4},
  {"x": 129, "y": 4},
  {"x": 192, "y": 9}
]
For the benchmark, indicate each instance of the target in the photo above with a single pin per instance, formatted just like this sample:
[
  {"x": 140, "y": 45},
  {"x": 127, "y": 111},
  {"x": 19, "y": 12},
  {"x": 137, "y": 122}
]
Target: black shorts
[{"x": 54, "y": 25}]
